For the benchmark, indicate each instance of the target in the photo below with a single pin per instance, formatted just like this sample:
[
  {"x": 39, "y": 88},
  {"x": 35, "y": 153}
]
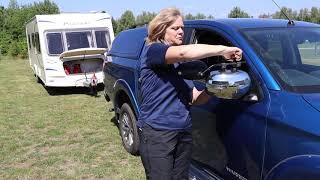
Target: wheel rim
[{"x": 127, "y": 132}]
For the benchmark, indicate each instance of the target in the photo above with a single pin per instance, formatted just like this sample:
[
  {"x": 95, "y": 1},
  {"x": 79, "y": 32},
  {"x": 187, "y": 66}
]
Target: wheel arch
[
  {"x": 124, "y": 94},
  {"x": 296, "y": 167}
]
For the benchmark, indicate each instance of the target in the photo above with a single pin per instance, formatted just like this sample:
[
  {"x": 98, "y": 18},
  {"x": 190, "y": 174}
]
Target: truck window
[
  {"x": 54, "y": 42},
  {"x": 189, "y": 34},
  {"x": 203, "y": 36},
  {"x": 102, "y": 39},
  {"x": 77, "y": 40}
]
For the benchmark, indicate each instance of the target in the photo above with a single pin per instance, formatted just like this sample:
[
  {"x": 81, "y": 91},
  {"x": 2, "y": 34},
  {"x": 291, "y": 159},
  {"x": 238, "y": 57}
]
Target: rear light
[
  {"x": 77, "y": 69},
  {"x": 67, "y": 69}
]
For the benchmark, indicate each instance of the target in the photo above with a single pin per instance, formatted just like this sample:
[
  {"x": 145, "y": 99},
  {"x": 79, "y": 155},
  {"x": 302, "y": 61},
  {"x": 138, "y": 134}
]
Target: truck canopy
[{"x": 134, "y": 39}]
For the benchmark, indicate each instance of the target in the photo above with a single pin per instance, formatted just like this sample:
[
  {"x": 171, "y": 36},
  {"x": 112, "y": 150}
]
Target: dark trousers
[{"x": 165, "y": 154}]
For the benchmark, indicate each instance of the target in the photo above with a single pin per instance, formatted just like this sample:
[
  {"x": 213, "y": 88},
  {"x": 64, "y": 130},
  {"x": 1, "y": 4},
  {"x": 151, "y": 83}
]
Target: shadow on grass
[
  {"x": 58, "y": 91},
  {"x": 115, "y": 123}
]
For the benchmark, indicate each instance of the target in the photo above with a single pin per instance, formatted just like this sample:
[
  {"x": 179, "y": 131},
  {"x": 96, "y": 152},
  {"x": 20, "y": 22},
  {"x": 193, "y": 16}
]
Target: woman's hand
[{"x": 232, "y": 53}]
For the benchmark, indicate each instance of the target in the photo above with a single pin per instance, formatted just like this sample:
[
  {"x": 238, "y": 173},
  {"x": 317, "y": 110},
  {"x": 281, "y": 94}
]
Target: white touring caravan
[{"x": 68, "y": 49}]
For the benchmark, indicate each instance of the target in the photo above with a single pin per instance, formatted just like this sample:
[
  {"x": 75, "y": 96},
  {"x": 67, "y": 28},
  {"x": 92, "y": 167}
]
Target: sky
[{"x": 216, "y": 8}]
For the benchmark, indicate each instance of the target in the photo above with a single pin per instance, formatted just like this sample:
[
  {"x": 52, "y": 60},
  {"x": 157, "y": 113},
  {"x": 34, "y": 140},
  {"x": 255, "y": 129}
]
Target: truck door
[{"x": 229, "y": 135}]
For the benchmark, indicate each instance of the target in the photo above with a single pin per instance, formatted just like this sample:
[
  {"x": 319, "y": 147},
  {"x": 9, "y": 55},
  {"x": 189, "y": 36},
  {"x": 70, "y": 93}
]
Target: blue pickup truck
[{"x": 270, "y": 132}]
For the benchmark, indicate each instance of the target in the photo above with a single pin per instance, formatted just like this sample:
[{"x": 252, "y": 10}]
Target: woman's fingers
[
  {"x": 236, "y": 54},
  {"x": 233, "y": 53}
]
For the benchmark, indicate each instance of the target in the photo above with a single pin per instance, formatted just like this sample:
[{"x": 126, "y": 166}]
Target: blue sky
[{"x": 217, "y": 8}]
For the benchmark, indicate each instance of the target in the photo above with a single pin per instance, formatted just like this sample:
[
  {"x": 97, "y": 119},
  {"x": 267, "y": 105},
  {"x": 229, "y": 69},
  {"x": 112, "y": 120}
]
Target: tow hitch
[{"x": 92, "y": 84}]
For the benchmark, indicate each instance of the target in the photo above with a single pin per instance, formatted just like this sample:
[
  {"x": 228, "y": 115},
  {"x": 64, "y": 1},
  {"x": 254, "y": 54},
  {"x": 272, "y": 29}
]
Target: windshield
[{"x": 291, "y": 54}]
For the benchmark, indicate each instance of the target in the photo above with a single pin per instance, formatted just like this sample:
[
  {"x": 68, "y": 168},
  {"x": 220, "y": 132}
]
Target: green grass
[{"x": 65, "y": 136}]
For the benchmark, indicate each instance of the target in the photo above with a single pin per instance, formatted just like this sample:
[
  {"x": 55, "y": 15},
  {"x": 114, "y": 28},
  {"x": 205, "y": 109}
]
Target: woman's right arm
[{"x": 198, "y": 51}]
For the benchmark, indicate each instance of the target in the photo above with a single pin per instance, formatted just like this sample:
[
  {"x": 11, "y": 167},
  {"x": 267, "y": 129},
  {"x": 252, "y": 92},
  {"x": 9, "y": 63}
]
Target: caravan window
[
  {"x": 77, "y": 40},
  {"x": 37, "y": 43},
  {"x": 102, "y": 39},
  {"x": 54, "y": 41},
  {"x": 33, "y": 40},
  {"x": 29, "y": 41}
]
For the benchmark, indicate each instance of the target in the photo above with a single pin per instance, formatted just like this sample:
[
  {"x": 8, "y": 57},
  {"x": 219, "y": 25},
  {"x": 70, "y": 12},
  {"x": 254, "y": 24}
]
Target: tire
[{"x": 128, "y": 129}]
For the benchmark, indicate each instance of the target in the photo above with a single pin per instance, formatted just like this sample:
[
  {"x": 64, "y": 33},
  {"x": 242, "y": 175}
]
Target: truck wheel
[{"x": 128, "y": 129}]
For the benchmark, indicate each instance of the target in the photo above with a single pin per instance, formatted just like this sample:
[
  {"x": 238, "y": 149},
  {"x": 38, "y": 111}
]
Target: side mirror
[
  {"x": 228, "y": 84},
  {"x": 190, "y": 70}
]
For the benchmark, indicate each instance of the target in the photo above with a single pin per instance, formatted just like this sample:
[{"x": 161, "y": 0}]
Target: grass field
[{"x": 66, "y": 136}]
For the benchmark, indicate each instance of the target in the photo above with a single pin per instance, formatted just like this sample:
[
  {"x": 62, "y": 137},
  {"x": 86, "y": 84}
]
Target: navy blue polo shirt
[{"x": 165, "y": 95}]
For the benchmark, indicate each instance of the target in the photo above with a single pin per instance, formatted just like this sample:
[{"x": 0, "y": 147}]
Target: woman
[{"x": 165, "y": 122}]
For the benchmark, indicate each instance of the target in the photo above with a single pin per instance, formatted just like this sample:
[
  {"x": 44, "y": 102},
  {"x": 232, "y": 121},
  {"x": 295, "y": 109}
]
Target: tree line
[
  {"x": 304, "y": 14},
  {"x": 12, "y": 25},
  {"x": 13, "y": 19}
]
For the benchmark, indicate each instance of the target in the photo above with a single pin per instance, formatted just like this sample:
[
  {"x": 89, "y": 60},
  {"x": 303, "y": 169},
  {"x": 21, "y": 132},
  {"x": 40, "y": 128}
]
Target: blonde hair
[{"x": 158, "y": 25}]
